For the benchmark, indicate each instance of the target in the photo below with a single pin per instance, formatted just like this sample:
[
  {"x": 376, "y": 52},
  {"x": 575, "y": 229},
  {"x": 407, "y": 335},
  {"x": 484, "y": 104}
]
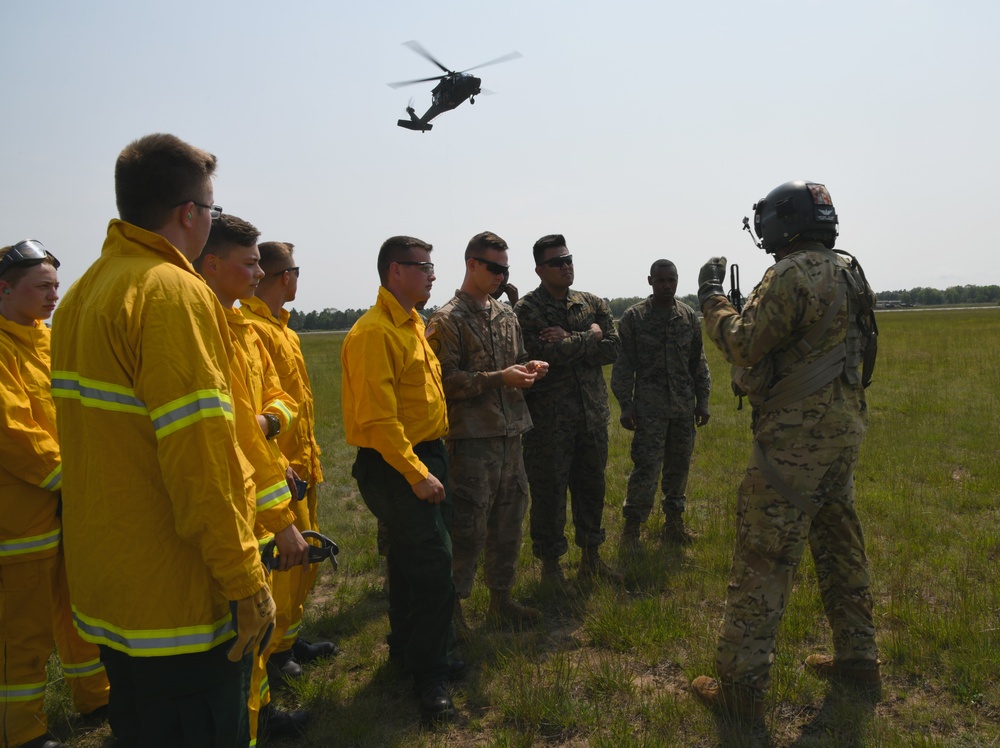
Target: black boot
[
  {"x": 306, "y": 651},
  {"x": 274, "y": 723}
]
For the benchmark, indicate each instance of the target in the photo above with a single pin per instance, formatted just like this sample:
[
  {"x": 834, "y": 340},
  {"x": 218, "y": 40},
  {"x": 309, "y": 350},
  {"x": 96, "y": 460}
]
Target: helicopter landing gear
[{"x": 472, "y": 99}]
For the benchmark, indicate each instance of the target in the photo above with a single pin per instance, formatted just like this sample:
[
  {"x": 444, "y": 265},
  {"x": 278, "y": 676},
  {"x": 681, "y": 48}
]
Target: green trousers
[
  {"x": 194, "y": 700},
  {"x": 421, "y": 589}
]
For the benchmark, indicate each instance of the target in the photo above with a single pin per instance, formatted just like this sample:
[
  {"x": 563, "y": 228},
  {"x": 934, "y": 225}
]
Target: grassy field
[{"x": 612, "y": 668}]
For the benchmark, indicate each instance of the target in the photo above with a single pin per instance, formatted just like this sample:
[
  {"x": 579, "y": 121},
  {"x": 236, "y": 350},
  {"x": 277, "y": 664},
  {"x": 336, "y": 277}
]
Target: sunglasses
[
  {"x": 425, "y": 267},
  {"x": 28, "y": 252},
  {"x": 494, "y": 267},
  {"x": 558, "y": 262},
  {"x": 288, "y": 270}
]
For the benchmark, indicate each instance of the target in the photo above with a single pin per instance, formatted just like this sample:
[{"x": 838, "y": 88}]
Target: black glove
[{"x": 710, "y": 279}]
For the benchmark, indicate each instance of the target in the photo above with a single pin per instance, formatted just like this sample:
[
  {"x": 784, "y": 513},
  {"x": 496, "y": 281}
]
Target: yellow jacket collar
[
  {"x": 395, "y": 309},
  {"x": 128, "y": 240},
  {"x": 27, "y": 334}
]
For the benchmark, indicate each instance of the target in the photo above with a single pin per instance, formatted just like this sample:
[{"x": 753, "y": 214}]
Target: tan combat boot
[
  {"x": 857, "y": 674},
  {"x": 741, "y": 702},
  {"x": 504, "y": 609},
  {"x": 673, "y": 532},
  {"x": 592, "y": 567},
  {"x": 630, "y": 545},
  {"x": 552, "y": 576}
]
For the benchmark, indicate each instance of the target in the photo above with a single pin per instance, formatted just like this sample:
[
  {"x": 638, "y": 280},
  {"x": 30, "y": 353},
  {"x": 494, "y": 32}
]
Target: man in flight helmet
[
  {"x": 795, "y": 211},
  {"x": 797, "y": 348}
]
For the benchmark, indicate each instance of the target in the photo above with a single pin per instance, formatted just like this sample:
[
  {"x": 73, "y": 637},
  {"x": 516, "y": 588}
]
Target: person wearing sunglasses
[
  {"x": 35, "y": 612},
  {"x": 395, "y": 413},
  {"x": 485, "y": 370},
  {"x": 266, "y": 311},
  {"x": 164, "y": 569},
  {"x": 568, "y": 446}
]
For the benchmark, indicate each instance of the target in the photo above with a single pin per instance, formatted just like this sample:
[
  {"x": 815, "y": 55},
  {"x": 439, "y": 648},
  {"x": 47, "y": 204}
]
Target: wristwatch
[{"x": 273, "y": 425}]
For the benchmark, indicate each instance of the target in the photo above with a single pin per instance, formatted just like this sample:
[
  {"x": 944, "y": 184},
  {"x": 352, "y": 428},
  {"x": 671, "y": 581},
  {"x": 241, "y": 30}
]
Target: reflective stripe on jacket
[
  {"x": 157, "y": 533},
  {"x": 298, "y": 443},
  {"x": 30, "y": 466},
  {"x": 256, "y": 390}
]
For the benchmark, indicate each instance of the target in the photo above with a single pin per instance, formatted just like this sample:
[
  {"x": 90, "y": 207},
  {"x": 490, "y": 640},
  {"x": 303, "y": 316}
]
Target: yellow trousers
[
  {"x": 290, "y": 588},
  {"x": 34, "y": 615}
]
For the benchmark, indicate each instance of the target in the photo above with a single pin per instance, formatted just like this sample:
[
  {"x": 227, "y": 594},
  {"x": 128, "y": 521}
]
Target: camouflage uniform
[
  {"x": 489, "y": 486},
  {"x": 662, "y": 374},
  {"x": 568, "y": 447},
  {"x": 799, "y": 485}
]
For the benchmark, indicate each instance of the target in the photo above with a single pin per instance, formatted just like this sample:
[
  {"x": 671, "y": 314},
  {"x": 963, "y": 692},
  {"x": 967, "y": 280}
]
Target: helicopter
[{"x": 452, "y": 89}]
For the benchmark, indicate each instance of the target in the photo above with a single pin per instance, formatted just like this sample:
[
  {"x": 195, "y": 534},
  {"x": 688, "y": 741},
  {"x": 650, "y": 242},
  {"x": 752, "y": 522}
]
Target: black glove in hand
[
  {"x": 710, "y": 279},
  {"x": 253, "y": 621}
]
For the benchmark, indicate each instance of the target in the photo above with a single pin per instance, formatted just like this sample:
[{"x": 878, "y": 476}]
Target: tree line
[{"x": 343, "y": 319}]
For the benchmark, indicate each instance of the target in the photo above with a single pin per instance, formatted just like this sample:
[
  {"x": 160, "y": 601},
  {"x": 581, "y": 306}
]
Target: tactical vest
[
  {"x": 769, "y": 389},
  {"x": 767, "y": 384}
]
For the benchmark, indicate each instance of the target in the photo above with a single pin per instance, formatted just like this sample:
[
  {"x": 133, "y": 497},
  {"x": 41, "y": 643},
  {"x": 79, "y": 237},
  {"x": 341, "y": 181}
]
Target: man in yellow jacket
[
  {"x": 266, "y": 311},
  {"x": 230, "y": 265},
  {"x": 395, "y": 413},
  {"x": 34, "y": 601},
  {"x": 164, "y": 569}
]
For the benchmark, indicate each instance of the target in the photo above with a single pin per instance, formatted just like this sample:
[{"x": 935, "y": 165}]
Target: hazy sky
[{"x": 638, "y": 130}]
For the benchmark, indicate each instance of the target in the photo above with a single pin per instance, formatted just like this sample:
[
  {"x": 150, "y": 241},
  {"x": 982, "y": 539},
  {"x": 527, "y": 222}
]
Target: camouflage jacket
[
  {"x": 791, "y": 298},
  {"x": 474, "y": 345},
  {"x": 576, "y": 374},
  {"x": 662, "y": 369}
]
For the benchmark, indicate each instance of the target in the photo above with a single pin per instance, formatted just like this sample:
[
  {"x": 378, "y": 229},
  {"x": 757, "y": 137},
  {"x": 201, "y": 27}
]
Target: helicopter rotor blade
[
  {"x": 400, "y": 84},
  {"x": 505, "y": 58},
  {"x": 416, "y": 47}
]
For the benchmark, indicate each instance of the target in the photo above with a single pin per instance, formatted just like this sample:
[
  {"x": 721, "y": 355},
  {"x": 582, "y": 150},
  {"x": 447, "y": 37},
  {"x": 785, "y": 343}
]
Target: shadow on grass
[{"x": 842, "y": 721}]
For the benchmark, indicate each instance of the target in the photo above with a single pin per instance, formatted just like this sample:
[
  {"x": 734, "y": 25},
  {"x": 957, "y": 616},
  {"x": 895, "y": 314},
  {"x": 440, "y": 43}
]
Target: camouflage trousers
[
  {"x": 661, "y": 449},
  {"x": 490, "y": 493},
  {"x": 561, "y": 453},
  {"x": 771, "y": 537}
]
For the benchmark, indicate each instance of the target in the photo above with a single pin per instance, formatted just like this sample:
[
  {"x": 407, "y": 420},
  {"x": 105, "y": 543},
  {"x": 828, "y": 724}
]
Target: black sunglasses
[
  {"x": 494, "y": 267},
  {"x": 28, "y": 252},
  {"x": 558, "y": 262},
  {"x": 288, "y": 270}
]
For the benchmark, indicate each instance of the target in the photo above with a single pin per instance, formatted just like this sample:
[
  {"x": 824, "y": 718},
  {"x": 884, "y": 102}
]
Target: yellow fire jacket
[
  {"x": 30, "y": 468},
  {"x": 157, "y": 531},
  {"x": 298, "y": 444},
  {"x": 256, "y": 390},
  {"x": 391, "y": 391}
]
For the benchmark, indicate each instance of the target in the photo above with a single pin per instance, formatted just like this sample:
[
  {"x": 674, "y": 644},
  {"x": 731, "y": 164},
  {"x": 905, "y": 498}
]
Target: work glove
[
  {"x": 253, "y": 621},
  {"x": 710, "y": 279}
]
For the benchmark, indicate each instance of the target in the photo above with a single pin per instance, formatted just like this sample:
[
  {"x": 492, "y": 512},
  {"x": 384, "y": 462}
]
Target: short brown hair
[
  {"x": 549, "y": 241},
  {"x": 396, "y": 249},
  {"x": 484, "y": 241},
  {"x": 157, "y": 173},
  {"x": 275, "y": 256},
  {"x": 15, "y": 273},
  {"x": 227, "y": 231}
]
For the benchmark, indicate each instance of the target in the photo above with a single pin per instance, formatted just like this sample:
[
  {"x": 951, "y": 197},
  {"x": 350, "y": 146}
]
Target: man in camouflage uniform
[
  {"x": 662, "y": 383},
  {"x": 801, "y": 337},
  {"x": 484, "y": 369},
  {"x": 568, "y": 446}
]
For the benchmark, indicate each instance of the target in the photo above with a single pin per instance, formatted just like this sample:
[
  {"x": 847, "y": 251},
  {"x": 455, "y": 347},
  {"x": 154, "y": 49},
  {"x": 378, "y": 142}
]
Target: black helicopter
[{"x": 452, "y": 90}]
